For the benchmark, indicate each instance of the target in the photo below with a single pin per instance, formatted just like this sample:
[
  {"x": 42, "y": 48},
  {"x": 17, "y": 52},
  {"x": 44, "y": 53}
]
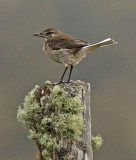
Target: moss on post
[
  {"x": 97, "y": 141},
  {"x": 51, "y": 113},
  {"x": 54, "y": 116}
]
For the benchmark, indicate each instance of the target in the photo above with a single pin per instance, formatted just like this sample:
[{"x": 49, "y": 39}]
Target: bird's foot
[
  {"x": 62, "y": 82},
  {"x": 59, "y": 82}
]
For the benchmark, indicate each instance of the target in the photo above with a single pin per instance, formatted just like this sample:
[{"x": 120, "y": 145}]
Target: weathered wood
[
  {"x": 83, "y": 150},
  {"x": 58, "y": 119},
  {"x": 72, "y": 150}
]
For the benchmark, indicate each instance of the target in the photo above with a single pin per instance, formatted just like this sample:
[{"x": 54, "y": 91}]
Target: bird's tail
[{"x": 103, "y": 43}]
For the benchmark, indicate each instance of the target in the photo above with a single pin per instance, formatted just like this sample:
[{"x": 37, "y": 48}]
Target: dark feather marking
[{"x": 66, "y": 42}]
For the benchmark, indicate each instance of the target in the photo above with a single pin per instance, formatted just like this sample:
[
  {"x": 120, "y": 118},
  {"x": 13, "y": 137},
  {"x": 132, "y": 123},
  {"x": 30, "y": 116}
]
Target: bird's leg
[
  {"x": 63, "y": 74},
  {"x": 71, "y": 68}
]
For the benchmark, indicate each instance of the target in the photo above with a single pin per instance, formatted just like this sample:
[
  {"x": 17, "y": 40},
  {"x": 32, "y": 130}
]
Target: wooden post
[
  {"x": 82, "y": 151},
  {"x": 58, "y": 119}
]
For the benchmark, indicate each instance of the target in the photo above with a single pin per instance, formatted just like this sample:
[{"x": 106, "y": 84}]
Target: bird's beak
[{"x": 38, "y": 35}]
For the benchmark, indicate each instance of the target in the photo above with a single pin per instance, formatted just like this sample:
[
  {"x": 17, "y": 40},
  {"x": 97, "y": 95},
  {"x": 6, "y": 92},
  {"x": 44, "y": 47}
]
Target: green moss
[
  {"x": 97, "y": 141},
  {"x": 62, "y": 101},
  {"x": 55, "y": 114},
  {"x": 69, "y": 126},
  {"x": 28, "y": 114},
  {"x": 48, "y": 82},
  {"x": 49, "y": 143}
]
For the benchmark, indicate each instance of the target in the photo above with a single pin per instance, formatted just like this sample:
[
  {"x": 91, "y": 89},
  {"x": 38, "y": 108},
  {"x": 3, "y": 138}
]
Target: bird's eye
[{"x": 49, "y": 33}]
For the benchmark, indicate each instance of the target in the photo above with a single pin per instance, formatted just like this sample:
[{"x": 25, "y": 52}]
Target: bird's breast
[{"x": 64, "y": 56}]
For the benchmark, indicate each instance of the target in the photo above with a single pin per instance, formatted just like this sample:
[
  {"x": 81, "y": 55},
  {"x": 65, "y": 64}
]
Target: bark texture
[
  {"x": 71, "y": 150},
  {"x": 83, "y": 149}
]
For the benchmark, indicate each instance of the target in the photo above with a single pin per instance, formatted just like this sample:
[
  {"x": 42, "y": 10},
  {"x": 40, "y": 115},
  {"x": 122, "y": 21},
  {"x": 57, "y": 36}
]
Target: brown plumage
[{"x": 68, "y": 50}]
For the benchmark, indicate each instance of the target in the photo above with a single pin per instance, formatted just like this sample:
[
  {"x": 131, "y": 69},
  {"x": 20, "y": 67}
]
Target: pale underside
[{"x": 65, "y": 56}]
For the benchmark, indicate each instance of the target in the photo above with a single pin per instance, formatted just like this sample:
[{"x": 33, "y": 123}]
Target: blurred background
[{"x": 110, "y": 70}]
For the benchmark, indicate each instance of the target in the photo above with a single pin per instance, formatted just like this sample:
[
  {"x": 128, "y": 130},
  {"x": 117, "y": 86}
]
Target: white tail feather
[{"x": 103, "y": 43}]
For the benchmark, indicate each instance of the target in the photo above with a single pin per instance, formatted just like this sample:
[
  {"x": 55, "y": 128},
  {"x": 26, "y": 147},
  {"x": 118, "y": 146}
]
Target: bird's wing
[{"x": 66, "y": 43}]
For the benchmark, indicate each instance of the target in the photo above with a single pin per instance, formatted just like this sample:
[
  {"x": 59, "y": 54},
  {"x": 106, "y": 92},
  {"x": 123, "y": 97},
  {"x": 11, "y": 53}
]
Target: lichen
[
  {"x": 49, "y": 144},
  {"x": 63, "y": 153},
  {"x": 97, "y": 141},
  {"x": 48, "y": 82},
  {"x": 49, "y": 113},
  {"x": 29, "y": 113},
  {"x": 81, "y": 145}
]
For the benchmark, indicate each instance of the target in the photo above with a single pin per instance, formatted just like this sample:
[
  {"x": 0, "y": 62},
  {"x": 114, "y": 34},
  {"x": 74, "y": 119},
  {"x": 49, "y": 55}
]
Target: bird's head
[{"x": 48, "y": 33}]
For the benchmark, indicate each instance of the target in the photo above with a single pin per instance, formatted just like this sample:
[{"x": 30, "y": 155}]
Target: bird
[{"x": 66, "y": 49}]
